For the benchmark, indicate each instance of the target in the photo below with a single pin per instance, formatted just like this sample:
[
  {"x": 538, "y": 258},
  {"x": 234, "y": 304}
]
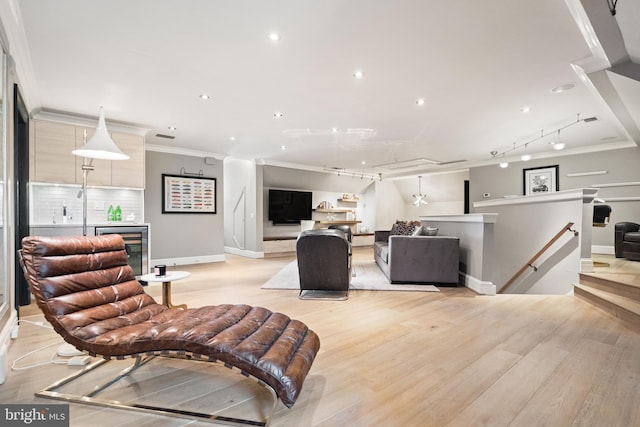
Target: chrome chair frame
[{"x": 90, "y": 397}]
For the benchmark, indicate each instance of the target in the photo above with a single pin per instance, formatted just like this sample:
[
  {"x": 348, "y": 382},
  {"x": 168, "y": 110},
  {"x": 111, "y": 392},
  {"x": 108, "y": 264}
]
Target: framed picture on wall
[
  {"x": 186, "y": 194},
  {"x": 540, "y": 180}
]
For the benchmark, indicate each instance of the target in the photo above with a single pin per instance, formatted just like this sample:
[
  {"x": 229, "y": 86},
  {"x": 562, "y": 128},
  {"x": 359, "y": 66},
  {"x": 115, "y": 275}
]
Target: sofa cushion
[{"x": 381, "y": 250}]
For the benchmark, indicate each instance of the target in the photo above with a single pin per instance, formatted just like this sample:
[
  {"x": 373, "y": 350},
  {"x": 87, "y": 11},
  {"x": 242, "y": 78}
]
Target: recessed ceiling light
[
  {"x": 232, "y": 138},
  {"x": 283, "y": 147},
  {"x": 525, "y": 109},
  {"x": 204, "y": 96},
  {"x": 358, "y": 74},
  {"x": 563, "y": 88},
  {"x": 273, "y": 36},
  {"x": 364, "y": 163},
  {"x": 172, "y": 127},
  {"x": 420, "y": 101},
  {"x": 334, "y": 130},
  {"x": 278, "y": 115}
]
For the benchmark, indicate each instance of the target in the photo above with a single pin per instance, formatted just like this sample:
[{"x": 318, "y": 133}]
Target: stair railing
[{"x": 529, "y": 264}]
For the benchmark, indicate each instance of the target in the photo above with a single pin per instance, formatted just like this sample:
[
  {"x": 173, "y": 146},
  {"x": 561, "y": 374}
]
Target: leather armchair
[
  {"x": 627, "y": 240},
  {"x": 345, "y": 229},
  {"x": 324, "y": 264}
]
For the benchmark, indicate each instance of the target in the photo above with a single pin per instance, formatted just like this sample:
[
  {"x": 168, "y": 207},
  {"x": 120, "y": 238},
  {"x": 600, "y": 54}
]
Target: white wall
[
  {"x": 240, "y": 208},
  {"x": 524, "y": 225},
  {"x": 390, "y": 205},
  {"x": 394, "y": 197},
  {"x": 445, "y": 193}
]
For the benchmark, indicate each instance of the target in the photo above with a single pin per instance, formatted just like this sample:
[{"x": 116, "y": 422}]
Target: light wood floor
[{"x": 452, "y": 358}]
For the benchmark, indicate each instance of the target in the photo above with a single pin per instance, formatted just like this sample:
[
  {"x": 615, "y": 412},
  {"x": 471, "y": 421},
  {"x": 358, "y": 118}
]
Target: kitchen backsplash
[{"x": 47, "y": 201}]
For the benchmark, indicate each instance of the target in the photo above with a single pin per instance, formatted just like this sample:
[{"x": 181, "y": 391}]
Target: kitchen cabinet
[
  {"x": 52, "y": 144},
  {"x": 128, "y": 173},
  {"x": 53, "y": 161}
]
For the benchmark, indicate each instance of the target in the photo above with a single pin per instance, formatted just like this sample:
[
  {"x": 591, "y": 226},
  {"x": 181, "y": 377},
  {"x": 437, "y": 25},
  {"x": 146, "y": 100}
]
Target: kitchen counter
[
  {"x": 76, "y": 229},
  {"x": 105, "y": 224}
]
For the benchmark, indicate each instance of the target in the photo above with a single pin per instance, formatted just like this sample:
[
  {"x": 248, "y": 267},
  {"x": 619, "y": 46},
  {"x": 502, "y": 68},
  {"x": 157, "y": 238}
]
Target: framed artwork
[
  {"x": 540, "y": 180},
  {"x": 187, "y": 194}
]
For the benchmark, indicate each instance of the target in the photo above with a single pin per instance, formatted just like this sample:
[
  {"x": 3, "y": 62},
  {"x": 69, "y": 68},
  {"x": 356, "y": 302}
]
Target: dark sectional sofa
[{"x": 417, "y": 259}]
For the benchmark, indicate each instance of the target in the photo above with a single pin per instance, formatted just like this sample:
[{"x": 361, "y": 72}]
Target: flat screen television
[{"x": 289, "y": 207}]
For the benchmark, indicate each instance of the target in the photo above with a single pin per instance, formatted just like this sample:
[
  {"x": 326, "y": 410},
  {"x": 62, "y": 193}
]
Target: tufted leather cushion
[{"x": 89, "y": 294}]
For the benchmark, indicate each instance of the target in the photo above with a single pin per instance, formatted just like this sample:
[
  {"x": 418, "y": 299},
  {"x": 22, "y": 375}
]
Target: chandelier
[{"x": 420, "y": 198}]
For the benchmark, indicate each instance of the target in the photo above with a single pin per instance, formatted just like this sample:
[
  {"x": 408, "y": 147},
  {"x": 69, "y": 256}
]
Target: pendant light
[
  {"x": 101, "y": 146},
  {"x": 420, "y": 198},
  {"x": 558, "y": 145}
]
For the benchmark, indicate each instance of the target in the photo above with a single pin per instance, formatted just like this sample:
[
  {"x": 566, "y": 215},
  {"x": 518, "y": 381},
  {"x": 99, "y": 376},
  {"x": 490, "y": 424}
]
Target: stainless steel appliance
[{"x": 136, "y": 241}]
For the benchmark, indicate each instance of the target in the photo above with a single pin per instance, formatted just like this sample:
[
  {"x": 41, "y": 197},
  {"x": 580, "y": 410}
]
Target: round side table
[{"x": 166, "y": 285}]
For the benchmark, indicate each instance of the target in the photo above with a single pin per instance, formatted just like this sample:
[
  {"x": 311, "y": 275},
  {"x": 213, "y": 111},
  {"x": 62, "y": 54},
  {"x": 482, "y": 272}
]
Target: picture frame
[
  {"x": 188, "y": 194},
  {"x": 540, "y": 180}
]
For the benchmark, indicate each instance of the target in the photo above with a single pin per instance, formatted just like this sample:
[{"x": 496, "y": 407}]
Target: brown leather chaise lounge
[{"x": 89, "y": 294}]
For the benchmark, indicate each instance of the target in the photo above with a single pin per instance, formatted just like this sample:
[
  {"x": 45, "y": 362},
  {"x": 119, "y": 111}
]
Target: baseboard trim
[
  {"x": 243, "y": 252},
  {"x": 479, "y": 286},
  {"x": 188, "y": 260},
  {"x": 5, "y": 338},
  {"x": 604, "y": 250}
]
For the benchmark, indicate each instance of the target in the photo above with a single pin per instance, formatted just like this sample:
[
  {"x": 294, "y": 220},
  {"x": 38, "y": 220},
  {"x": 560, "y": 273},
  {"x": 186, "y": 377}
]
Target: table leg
[{"x": 166, "y": 297}]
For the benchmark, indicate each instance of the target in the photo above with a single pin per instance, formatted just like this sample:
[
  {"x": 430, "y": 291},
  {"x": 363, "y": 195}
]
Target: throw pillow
[
  {"x": 404, "y": 228},
  {"x": 419, "y": 231},
  {"x": 431, "y": 231}
]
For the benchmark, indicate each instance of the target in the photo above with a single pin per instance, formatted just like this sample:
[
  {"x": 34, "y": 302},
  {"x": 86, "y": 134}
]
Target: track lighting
[{"x": 557, "y": 145}]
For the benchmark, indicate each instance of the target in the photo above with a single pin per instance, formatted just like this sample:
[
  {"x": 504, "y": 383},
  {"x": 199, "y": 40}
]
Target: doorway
[{"x": 21, "y": 196}]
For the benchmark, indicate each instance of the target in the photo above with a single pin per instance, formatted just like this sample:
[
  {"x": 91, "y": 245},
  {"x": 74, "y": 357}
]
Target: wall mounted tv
[{"x": 289, "y": 207}]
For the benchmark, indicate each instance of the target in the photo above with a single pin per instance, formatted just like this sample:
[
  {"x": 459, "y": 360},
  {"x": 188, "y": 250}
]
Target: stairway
[{"x": 617, "y": 294}]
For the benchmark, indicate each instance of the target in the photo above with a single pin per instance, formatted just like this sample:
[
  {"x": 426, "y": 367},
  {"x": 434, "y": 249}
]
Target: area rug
[{"x": 368, "y": 277}]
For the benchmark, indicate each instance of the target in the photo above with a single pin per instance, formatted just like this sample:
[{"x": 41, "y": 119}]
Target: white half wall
[{"x": 525, "y": 225}]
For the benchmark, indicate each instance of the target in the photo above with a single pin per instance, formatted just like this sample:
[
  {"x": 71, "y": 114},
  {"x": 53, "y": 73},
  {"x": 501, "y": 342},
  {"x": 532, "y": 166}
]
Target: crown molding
[{"x": 183, "y": 151}]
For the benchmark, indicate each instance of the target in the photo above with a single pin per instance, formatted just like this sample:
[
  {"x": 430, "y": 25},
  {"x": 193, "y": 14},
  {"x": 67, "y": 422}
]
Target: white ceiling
[{"x": 476, "y": 64}]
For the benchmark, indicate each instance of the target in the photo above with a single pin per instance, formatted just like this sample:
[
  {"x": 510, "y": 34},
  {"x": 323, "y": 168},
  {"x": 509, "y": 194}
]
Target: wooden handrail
[{"x": 537, "y": 255}]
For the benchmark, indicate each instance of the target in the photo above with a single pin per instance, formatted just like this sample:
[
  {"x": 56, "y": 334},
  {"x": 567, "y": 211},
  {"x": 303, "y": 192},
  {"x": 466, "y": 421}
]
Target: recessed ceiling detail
[
  {"x": 359, "y": 133},
  {"x": 414, "y": 163}
]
